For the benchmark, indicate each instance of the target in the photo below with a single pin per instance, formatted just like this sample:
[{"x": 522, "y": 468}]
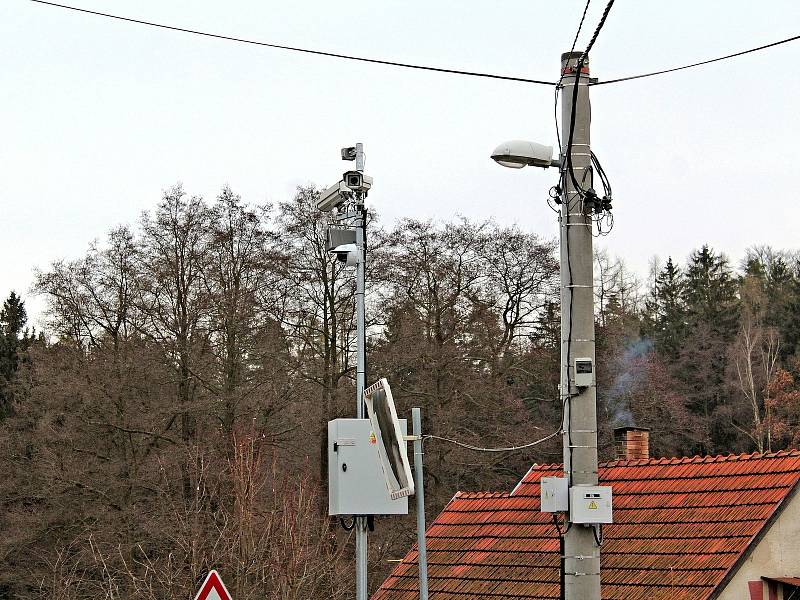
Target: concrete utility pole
[
  {"x": 581, "y": 560},
  {"x": 361, "y": 363}
]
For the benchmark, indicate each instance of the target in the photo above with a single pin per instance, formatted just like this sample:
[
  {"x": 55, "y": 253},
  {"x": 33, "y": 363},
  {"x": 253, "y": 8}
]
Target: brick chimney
[{"x": 631, "y": 443}]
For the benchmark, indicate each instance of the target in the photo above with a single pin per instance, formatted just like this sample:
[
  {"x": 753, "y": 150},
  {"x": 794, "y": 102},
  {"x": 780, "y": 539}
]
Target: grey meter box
[{"x": 356, "y": 484}]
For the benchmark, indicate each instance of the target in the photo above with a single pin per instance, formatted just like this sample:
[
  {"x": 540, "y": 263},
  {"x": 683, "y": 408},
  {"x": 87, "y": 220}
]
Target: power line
[
  {"x": 698, "y": 64},
  {"x": 580, "y": 26},
  {"x": 561, "y": 78},
  {"x": 508, "y": 449},
  {"x": 556, "y": 433},
  {"x": 303, "y": 50},
  {"x": 599, "y": 27}
]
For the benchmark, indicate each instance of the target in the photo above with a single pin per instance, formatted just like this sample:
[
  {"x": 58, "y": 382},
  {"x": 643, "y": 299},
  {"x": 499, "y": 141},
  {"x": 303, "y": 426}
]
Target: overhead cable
[
  {"x": 303, "y": 50},
  {"x": 560, "y": 79},
  {"x": 507, "y": 449},
  {"x": 698, "y": 64},
  {"x": 580, "y": 26},
  {"x": 598, "y": 28}
]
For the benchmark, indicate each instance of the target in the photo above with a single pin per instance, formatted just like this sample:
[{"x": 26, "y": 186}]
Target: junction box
[{"x": 356, "y": 484}]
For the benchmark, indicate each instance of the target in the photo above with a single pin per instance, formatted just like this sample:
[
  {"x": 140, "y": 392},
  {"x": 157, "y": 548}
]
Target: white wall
[{"x": 776, "y": 555}]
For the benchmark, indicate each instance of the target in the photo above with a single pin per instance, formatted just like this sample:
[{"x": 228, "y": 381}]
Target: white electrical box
[
  {"x": 356, "y": 484},
  {"x": 554, "y": 494},
  {"x": 583, "y": 372},
  {"x": 590, "y": 504}
]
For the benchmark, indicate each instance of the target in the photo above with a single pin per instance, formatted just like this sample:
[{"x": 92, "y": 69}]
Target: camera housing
[
  {"x": 349, "y": 153},
  {"x": 347, "y": 254},
  {"x": 357, "y": 181},
  {"x": 333, "y": 197},
  {"x": 342, "y": 243}
]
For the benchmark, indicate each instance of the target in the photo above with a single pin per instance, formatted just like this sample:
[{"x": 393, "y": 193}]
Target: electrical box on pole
[
  {"x": 583, "y": 372},
  {"x": 356, "y": 483},
  {"x": 554, "y": 494},
  {"x": 590, "y": 504}
]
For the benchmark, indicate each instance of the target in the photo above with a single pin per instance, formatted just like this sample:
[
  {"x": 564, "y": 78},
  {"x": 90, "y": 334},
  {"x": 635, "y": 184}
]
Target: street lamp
[{"x": 516, "y": 154}]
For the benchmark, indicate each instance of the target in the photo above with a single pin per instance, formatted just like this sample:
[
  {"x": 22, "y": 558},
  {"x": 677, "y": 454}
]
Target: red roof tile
[{"x": 680, "y": 525}]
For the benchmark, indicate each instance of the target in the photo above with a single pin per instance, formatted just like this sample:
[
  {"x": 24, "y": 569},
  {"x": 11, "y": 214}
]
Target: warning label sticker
[{"x": 592, "y": 505}]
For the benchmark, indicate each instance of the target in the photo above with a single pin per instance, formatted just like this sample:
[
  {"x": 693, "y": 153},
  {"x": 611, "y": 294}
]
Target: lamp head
[{"x": 516, "y": 154}]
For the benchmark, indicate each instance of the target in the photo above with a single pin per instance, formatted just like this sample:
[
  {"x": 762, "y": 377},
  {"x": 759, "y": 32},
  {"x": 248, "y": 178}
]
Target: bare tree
[
  {"x": 242, "y": 272},
  {"x": 173, "y": 299},
  {"x": 91, "y": 299},
  {"x": 616, "y": 288},
  {"x": 756, "y": 353},
  {"x": 521, "y": 280}
]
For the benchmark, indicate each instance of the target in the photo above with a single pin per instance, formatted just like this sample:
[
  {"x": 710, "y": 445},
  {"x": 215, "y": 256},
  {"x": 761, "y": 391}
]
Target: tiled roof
[{"x": 679, "y": 527}]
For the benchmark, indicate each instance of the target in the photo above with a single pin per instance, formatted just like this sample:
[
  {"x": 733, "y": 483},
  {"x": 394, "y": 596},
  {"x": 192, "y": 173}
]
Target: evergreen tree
[
  {"x": 711, "y": 292},
  {"x": 14, "y": 341},
  {"x": 712, "y": 313},
  {"x": 668, "y": 311},
  {"x": 790, "y": 326}
]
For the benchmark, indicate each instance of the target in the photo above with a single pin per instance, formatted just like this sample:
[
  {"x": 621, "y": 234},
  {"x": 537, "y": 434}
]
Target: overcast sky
[{"x": 97, "y": 116}]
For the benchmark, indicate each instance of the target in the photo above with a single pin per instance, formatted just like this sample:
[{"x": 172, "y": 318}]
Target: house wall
[{"x": 776, "y": 555}]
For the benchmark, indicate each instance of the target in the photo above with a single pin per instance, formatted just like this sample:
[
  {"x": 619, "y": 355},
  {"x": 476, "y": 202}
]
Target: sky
[{"x": 98, "y": 117}]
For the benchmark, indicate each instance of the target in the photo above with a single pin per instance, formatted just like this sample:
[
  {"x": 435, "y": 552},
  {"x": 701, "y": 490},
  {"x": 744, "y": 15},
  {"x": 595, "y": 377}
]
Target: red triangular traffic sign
[{"x": 213, "y": 588}]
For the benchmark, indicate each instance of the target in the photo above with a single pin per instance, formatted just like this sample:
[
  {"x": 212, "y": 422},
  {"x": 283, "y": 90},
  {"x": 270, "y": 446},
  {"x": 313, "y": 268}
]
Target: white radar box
[{"x": 356, "y": 482}]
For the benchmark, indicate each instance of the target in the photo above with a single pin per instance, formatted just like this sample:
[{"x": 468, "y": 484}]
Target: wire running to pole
[
  {"x": 296, "y": 49},
  {"x": 508, "y": 449},
  {"x": 701, "y": 63},
  {"x": 580, "y": 26},
  {"x": 561, "y": 78},
  {"x": 598, "y": 28}
]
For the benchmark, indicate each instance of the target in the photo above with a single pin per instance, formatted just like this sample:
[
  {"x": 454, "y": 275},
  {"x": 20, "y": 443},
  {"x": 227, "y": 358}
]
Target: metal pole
[
  {"x": 419, "y": 490},
  {"x": 581, "y": 553},
  {"x": 361, "y": 521}
]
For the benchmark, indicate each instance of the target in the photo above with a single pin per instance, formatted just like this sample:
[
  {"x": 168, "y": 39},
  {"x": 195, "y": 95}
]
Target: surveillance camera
[
  {"x": 347, "y": 253},
  {"x": 357, "y": 181},
  {"x": 342, "y": 243},
  {"x": 519, "y": 153},
  {"x": 349, "y": 153},
  {"x": 333, "y": 197}
]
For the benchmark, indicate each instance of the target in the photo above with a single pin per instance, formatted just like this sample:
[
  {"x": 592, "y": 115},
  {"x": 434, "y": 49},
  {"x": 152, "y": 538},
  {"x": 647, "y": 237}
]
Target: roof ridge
[
  {"x": 680, "y": 460},
  {"x": 480, "y": 494}
]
